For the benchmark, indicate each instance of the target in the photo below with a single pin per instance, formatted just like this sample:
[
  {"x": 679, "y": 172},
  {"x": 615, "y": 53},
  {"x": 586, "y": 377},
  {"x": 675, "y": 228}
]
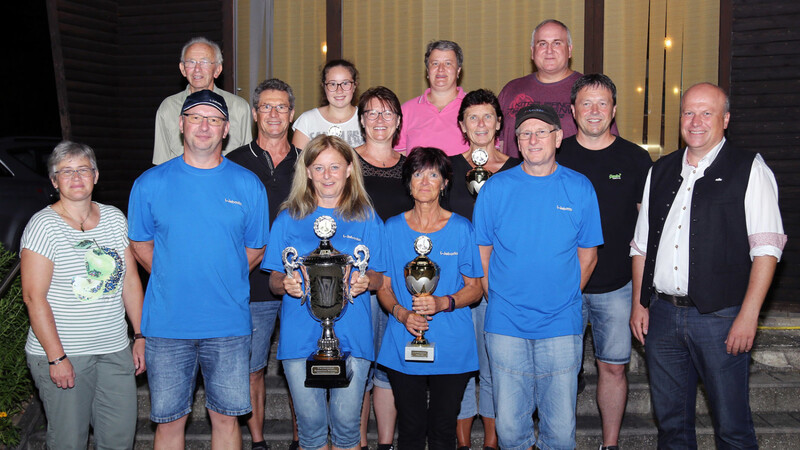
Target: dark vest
[{"x": 719, "y": 251}]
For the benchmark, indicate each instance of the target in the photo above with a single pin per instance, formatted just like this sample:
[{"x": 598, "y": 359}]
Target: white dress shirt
[{"x": 762, "y": 216}]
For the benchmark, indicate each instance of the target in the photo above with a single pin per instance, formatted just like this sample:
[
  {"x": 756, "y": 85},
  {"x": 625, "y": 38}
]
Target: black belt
[{"x": 681, "y": 302}]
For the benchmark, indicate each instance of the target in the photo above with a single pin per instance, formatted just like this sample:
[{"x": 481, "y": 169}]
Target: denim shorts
[
  {"x": 380, "y": 318},
  {"x": 315, "y": 414},
  {"x": 610, "y": 314},
  {"x": 535, "y": 374},
  {"x": 264, "y": 316},
  {"x": 172, "y": 370}
]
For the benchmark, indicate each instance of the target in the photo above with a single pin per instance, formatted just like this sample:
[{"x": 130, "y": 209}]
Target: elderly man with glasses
[{"x": 201, "y": 64}]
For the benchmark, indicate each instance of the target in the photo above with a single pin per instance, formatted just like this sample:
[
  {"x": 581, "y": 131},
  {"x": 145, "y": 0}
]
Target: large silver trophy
[
  {"x": 326, "y": 274},
  {"x": 477, "y": 176},
  {"x": 422, "y": 276}
]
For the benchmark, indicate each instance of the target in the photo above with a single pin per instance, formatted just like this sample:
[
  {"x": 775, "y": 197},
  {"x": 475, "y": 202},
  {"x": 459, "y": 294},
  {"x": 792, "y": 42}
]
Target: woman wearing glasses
[
  {"x": 79, "y": 279},
  {"x": 382, "y": 168},
  {"x": 430, "y": 119},
  {"x": 337, "y": 117}
]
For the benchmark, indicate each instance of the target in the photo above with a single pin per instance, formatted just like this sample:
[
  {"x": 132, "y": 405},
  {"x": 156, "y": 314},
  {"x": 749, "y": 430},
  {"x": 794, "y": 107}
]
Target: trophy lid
[
  {"x": 423, "y": 245},
  {"x": 480, "y": 156},
  {"x": 325, "y": 228}
]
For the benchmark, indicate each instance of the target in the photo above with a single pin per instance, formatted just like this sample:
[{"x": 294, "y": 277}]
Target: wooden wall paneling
[{"x": 765, "y": 94}]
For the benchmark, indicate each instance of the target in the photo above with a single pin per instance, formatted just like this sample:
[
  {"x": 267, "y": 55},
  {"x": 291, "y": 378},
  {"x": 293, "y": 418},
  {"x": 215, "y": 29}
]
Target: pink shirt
[{"x": 425, "y": 126}]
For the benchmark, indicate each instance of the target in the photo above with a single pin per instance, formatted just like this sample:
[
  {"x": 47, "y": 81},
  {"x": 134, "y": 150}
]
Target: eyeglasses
[
  {"x": 214, "y": 121},
  {"x": 83, "y": 172},
  {"x": 265, "y": 108},
  {"x": 372, "y": 115},
  {"x": 332, "y": 86},
  {"x": 189, "y": 64},
  {"x": 540, "y": 134}
]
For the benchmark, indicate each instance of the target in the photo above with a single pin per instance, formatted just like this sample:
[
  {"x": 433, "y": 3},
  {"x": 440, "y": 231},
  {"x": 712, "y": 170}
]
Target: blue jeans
[
  {"x": 172, "y": 371},
  {"x": 315, "y": 414},
  {"x": 469, "y": 404},
  {"x": 263, "y": 316},
  {"x": 531, "y": 374},
  {"x": 681, "y": 344},
  {"x": 610, "y": 313}
]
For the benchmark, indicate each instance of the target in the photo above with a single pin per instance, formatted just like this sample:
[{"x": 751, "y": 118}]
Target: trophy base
[
  {"x": 420, "y": 352},
  {"x": 327, "y": 373}
]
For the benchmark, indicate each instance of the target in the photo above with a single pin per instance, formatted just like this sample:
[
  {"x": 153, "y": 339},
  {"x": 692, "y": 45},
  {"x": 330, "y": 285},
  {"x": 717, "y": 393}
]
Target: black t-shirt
[
  {"x": 385, "y": 188},
  {"x": 278, "y": 183},
  {"x": 618, "y": 174},
  {"x": 457, "y": 198}
]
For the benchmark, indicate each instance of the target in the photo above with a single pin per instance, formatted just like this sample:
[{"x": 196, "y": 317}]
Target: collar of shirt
[{"x": 424, "y": 97}]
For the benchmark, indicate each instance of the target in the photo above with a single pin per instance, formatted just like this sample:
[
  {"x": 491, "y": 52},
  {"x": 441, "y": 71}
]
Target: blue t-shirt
[
  {"x": 453, "y": 333},
  {"x": 535, "y": 225},
  {"x": 200, "y": 221},
  {"x": 299, "y": 330}
]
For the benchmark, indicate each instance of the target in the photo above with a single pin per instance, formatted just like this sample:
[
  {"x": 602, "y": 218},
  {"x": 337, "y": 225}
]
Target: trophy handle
[
  {"x": 291, "y": 263},
  {"x": 360, "y": 262},
  {"x": 361, "y": 253}
]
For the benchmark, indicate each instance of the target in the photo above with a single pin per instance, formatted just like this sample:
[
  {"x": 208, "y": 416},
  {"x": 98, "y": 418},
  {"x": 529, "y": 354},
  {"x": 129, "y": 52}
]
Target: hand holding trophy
[
  {"x": 422, "y": 276},
  {"x": 325, "y": 273}
]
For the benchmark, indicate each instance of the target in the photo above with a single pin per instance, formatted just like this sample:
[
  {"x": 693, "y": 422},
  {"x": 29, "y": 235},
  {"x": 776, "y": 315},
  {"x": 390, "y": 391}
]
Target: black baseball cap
[
  {"x": 206, "y": 97},
  {"x": 545, "y": 113}
]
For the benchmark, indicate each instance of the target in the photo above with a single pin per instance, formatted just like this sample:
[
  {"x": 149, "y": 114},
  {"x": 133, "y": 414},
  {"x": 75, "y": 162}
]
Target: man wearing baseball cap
[
  {"x": 198, "y": 223},
  {"x": 538, "y": 228}
]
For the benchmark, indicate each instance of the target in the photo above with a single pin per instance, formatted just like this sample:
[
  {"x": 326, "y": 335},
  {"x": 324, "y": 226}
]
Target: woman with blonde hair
[{"x": 327, "y": 182}]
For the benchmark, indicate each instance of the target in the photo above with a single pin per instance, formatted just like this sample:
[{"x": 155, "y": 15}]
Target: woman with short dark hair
[
  {"x": 442, "y": 314},
  {"x": 480, "y": 119}
]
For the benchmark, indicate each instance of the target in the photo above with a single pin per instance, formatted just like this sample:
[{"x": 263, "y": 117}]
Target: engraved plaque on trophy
[
  {"x": 477, "y": 176},
  {"x": 422, "y": 276},
  {"x": 326, "y": 274}
]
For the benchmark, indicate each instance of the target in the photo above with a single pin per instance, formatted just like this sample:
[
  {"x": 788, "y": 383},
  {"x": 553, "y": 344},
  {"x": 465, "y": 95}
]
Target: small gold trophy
[
  {"x": 422, "y": 276},
  {"x": 477, "y": 176}
]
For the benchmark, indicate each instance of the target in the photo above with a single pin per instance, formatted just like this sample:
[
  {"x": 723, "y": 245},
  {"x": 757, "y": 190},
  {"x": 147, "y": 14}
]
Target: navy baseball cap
[
  {"x": 545, "y": 113},
  {"x": 206, "y": 97}
]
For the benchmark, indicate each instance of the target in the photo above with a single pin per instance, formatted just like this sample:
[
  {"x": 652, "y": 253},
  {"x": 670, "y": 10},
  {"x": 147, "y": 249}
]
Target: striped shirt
[{"x": 85, "y": 291}]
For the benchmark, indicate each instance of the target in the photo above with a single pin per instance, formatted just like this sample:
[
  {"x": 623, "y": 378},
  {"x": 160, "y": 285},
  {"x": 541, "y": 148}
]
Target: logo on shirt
[
  {"x": 615, "y": 176},
  {"x": 563, "y": 208},
  {"x": 235, "y": 202},
  {"x": 441, "y": 253},
  {"x": 347, "y": 236}
]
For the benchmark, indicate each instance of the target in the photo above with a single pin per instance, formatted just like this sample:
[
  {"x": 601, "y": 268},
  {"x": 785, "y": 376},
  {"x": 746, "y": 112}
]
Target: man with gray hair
[
  {"x": 272, "y": 158},
  {"x": 201, "y": 64}
]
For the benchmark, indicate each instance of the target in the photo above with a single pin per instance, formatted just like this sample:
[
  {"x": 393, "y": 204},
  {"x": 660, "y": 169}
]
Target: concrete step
[
  {"x": 778, "y": 431},
  {"x": 769, "y": 392},
  {"x": 776, "y": 349}
]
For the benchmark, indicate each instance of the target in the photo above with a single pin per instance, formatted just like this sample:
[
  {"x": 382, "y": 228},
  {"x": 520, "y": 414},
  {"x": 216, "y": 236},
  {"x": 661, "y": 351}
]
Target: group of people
[{"x": 566, "y": 232}]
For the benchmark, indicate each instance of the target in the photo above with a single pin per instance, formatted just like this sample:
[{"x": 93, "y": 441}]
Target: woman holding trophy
[
  {"x": 427, "y": 297},
  {"x": 480, "y": 119},
  {"x": 327, "y": 217}
]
